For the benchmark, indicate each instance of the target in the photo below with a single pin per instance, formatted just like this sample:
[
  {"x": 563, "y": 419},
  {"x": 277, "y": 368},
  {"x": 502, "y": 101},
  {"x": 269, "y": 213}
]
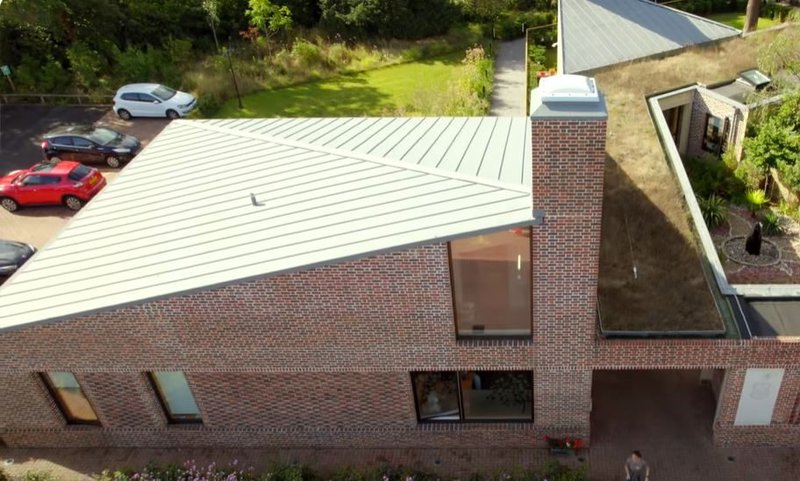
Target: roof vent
[{"x": 568, "y": 88}]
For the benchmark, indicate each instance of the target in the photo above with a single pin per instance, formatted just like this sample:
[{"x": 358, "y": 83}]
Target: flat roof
[
  {"x": 601, "y": 33},
  {"x": 180, "y": 217}
]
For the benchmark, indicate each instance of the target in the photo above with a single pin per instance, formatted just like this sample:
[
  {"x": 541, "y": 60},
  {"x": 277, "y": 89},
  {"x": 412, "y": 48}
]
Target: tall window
[
  {"x": 176, "y": 397},
  {"x": 713, "y": 137},
  {"x": 69, "y": 397},
  {"x": 473, "y": 395},
  {"x": 492, "y": 284}
]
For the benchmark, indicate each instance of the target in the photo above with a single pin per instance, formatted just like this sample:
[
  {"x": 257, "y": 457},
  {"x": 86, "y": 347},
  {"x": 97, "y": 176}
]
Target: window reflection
[{"x": 492, "y": 283}]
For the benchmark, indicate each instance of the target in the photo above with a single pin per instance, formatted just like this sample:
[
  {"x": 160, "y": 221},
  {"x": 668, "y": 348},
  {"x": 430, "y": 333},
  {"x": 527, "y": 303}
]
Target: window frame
[
  {"x": 165, "y": 407},
  {"x": 497, "y": 337},
  {"x": 44, "y": 376},
  {"x": 460, "y": 397},
  {"x": 721, "y": 141}
]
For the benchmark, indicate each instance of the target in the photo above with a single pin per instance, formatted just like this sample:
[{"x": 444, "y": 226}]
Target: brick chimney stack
[{"x": 568, "y": 128}]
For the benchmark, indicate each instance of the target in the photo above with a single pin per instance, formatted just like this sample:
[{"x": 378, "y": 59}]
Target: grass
[
  {"x": 383, "y": 91},
  {"x": 645, "y": 223},
  {"x": 736, "y": 20}
]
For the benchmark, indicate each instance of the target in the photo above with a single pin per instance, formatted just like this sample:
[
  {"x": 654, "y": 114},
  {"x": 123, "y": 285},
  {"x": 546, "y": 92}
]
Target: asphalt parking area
[{"x": 21, "y": 127}]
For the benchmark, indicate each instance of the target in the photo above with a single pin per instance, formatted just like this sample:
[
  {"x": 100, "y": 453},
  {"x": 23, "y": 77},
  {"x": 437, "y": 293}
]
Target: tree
[
  {"x": 270, "y": 17},
  {"x": 753, "y": 11},
  {"x": 211, "y": 7}
]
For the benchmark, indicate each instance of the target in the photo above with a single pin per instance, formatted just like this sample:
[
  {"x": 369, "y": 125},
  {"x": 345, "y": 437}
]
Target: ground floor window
[
  {"x": 473, "y": 395},
  {"x": 70, "y": 398},
  {"x": 176, "y": 397}
]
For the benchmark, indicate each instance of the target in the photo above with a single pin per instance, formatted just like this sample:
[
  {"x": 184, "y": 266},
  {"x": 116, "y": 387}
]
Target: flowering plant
[{"x": 564, "y": 443}]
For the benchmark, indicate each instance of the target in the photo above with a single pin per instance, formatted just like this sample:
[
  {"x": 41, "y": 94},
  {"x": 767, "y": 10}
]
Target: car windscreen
[
  {"x": 79, "y": 172},
  {"x": 163, "y": 93},
  {"x": 104, "y": 136}
]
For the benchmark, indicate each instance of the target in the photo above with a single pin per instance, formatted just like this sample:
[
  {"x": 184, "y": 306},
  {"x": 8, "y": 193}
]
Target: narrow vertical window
[
  {"x": 713, "y": 138},
  {"x": 70, "y": 398},
  {"x": 176, "y": 397},
  {"x": 492, "y": 284}
]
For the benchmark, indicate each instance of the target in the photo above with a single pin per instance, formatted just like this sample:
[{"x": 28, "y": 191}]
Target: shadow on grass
[{"x": 668, "y": 291}]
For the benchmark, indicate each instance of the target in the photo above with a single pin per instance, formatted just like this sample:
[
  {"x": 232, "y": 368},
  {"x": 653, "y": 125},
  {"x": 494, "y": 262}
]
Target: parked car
[
  {"x": 87, "y": 144},
  {"x": 65, "y": 182},
  {"x": 12, "y": 255},
  {"x": 152, "y": 100}
]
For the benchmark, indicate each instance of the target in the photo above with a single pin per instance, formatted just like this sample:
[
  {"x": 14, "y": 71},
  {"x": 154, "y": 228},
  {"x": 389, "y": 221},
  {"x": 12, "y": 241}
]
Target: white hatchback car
[{"x": 152, "y": 100}]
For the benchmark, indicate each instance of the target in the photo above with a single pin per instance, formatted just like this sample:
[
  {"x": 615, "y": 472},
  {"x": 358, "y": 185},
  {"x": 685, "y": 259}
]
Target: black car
[
  {"x": 12, "y": 256},
  {"x": 88, "y": 144}
]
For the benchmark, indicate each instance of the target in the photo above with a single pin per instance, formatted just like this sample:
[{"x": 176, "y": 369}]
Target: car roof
[
  {"x": 70, "y": 130},
  {"x": 144, "y": 87},
  {"x": 62, "y": 167}
]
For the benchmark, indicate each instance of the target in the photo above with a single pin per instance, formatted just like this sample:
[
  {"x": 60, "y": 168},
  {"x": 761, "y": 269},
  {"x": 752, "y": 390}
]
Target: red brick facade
[{"x": 323, "y": 357}]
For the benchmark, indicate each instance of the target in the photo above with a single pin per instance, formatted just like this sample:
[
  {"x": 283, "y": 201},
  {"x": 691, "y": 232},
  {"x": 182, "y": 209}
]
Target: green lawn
[
  {"x": 376, "y": 92},
  {"x": 736, "y": 20}
]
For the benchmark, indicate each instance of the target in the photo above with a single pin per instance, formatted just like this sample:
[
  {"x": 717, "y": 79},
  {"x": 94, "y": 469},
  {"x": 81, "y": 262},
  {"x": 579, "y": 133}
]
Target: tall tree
[
  {"x": 753, "y": 11},
  {"x": 270, "y": 17},
  {"x": 211, "y": 7}
]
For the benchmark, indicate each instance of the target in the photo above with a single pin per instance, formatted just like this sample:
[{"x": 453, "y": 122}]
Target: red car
[{"x": 68, "y": 183}]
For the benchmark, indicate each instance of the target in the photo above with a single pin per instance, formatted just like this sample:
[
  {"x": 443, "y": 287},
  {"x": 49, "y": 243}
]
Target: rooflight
[
  {"x": 568, "y": 88},
  {"x": 755, "y": 77}
]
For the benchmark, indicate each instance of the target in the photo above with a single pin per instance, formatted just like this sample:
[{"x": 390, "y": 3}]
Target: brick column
[{"x": 568, "y": 118}]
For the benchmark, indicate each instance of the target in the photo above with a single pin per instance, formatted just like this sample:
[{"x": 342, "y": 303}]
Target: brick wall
[
  {"x": 568, "y": 163},
  {"x": 706, "y": 102}
]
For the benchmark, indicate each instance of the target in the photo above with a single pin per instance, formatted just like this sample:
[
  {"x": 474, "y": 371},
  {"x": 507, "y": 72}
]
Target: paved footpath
[{"x": 509, "y": 96}]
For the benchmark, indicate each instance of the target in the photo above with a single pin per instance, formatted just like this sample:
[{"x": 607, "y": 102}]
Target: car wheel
[
  {"x": 112, "y": 161},
  {"x": 171, "y": 114},
  {"x": 124, "y": 114},
  {"x": 9, "y": 204},
  {"x": 73, "y": 203}
]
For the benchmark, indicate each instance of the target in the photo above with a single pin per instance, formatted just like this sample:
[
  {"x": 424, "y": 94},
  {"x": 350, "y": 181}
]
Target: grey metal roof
[
  {"x": 600, "y": 33},
  {"x": 179, "y": 218}
]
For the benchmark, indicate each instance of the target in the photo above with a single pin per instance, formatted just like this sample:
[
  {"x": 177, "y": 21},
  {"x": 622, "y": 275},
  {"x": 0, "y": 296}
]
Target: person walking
[{"x": 636, "y": 468}]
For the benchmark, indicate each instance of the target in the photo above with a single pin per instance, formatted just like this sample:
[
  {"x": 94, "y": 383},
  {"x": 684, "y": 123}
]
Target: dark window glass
[
  {"x": 712, "y": 139},
  {"x": 176, "y": 397},
  {"x": 473, "y": 395},
  {"x": 50, "y": 179},
  {"x": 81, "y": 142},
  {"x": 437, "y": 396},
  {"x": 104, "y": 136},
  {"x": 492, "y": 284},
  {"x": 33, "y": 180},
  {"x": 62, "y": 140},
  {"x": 45, "y": 167},
  {"x": 147, "y": 98},
  {"x": 79, "y": 172},
  {"x": 497, "y": 395},
  {"x": 130, "y": 96},
  {"x": 70, "y": 398}
]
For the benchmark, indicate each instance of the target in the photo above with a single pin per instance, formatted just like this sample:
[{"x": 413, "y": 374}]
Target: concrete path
[{"x": 509, "y": 96}]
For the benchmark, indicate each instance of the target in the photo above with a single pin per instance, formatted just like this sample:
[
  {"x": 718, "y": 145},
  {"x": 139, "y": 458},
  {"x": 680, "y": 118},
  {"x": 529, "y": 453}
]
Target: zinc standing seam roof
[
  {"x": 179, "y": 218},
  {"x": 601, "y": 33}
]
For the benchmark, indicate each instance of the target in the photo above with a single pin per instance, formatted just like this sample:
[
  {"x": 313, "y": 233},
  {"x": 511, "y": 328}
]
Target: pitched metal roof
[
  {"x": 179, "y": 218},
  {"x": 600, "y": 33}
]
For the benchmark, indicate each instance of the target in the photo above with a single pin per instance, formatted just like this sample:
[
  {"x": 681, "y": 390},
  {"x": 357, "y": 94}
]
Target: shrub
[
  {"x": 710, "y": 176},
  {"x": 86, "y": 64},
  {"x": 748, "y": 174},
  {"x": 755, "y": 201},
  {"x": 790, "y": 175},
  {"x": 715, "y": 210},
  {"x": 774, "y": 144},
  {"x": 38, "y": 476},
  {"x": 306, "y": 55},
  {"x": 771, "y": 224},
  {"x": 339, "y": 54}
]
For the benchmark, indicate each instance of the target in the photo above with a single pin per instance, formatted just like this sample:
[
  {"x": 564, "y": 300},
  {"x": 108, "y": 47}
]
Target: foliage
[
  {"x": 715, "y": 210},
  {"x": 709, "y": 177},
  {"x": 564, "y": 443},
  {"x": 755, "y": 201},
  {"x": 749, "y": 174},
  {"x": 790, "y": 175},
  {"x": 511, "y": 25},
  {"x": 775, "y": 144},
  {"x": 771, "y": 224},
  {"x": 706, "y": 7},
  {"x": 556, "y": 471},
  {"x": 782, "y": 55},
  {"x": 408, "y": 19},
  {"x": 85, "y": 64},
  {"x": 38, "y": 476},
  {"x": 307, "y": 54},
  {"x": 270, "y": 17}
]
